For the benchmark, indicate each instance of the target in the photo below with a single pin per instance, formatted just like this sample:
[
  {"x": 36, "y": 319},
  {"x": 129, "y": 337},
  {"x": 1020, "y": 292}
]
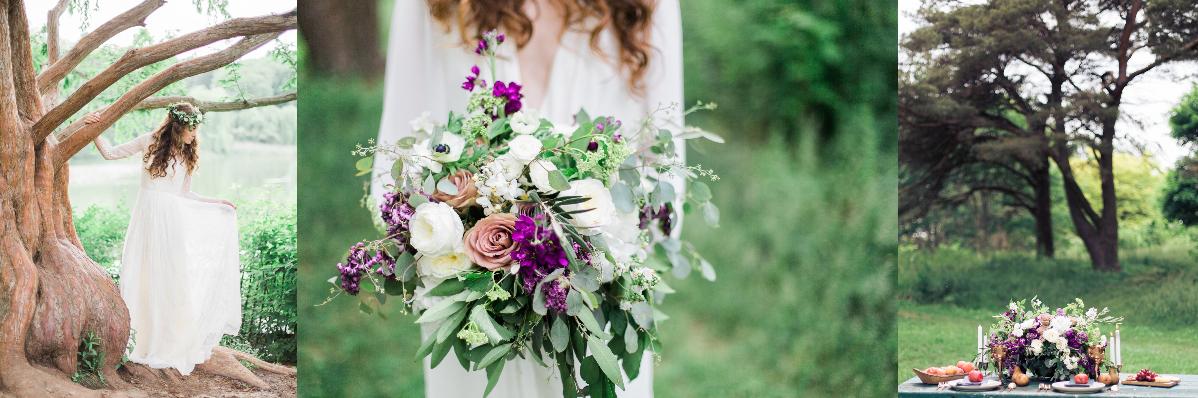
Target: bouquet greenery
[
  {"x": 511, "y": 236},
  {"x": 1051, "y": 344}
]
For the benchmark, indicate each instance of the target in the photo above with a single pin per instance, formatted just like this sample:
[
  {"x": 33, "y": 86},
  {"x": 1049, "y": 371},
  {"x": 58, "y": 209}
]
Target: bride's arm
[
  {"x": 187, "y": 193},
  {"x": 120, "y": 151}
]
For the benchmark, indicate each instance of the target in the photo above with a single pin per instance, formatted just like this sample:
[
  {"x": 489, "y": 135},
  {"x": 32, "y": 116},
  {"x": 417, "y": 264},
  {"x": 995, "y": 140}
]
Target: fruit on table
[
  {"x": 965, "y": 366},
  {"x": 952, "y": 370},
  {"x": 1146, "y": 375},
  {"x": 1021, "y": 379},
  {"x": 1081, "y": 378},
  {"x": 975, "y": 376},
  {"x": 1105, "y": 378},
  {"x": 934, "y": 371}
]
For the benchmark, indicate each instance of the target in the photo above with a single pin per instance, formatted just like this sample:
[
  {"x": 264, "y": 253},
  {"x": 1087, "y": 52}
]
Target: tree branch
[
  {"x": 1190, "y": 46},
  {"x": 215, "y": 106},
  {"x": 29, "y": 104},
  {"x": 80, "y": 134},
  {"x": 59, "y": 68},
  {"x": 140, "y": 57},
  {"x": 52, "y": 30}
]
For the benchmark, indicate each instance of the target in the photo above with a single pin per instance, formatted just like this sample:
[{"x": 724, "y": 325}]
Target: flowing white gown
[
  {"x": 180, "y": 273},
  {"x": 425, "y": 67}
]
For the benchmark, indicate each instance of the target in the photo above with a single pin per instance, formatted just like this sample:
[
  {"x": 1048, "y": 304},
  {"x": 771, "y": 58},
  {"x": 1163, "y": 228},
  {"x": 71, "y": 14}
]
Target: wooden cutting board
[{"x": 1161, "y": 381}]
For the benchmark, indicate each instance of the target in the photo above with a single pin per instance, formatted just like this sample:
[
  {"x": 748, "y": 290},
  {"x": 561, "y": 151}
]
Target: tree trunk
[
  {"x": 1042, "y": 212},
  {"x": 342, "y": 38},
  {"x": 1098, "y": 232}
]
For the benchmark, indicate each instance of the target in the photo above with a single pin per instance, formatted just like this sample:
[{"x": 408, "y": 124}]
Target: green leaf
[
  {"x": 392, "y": 287},
  {"x": 397, "y": 169},
  {"x": 621, "y": 196},
  {"x": 559, "y": 334},
  {"x": 558, "y": 181},
  {"x": 406, "y": 142},
  {"x": 574, "y": 303},
  {"x": 439, "y": 351},
  {"x": 365, "y": 308},
  {"x": 451, "y": 324},
  {"x": 480, "y": 284},
  {"x": 606, "y": 360},
  {"x": 459, "y": 351},
  {"x": 632, "y": 363},
  {"x": 364, "y": 165},
  {"x": 447, "y": 187},
  {"x": 538, "y": 297},
  {"x": 700, "y": 192},
  {"x": 495, "y": 332},
  {"x": 497, "y": 127},
  {"x": 493, "y": 373},
  {"x": 706, "y": 269},
  {"x": 447, "y": 287},
  {"x": 664, "y": 193},
  {"x": 630, "y": 339},
  {"x": 495, "y": 354},
  {"x": 565, "y": 366},
  {"x": 417, "y": 200},
  {"x": 711, "y": 214},
  {"x": 429, "y": 185},
  {"x": 440, "y": 311},
  {"x": 642, "y": 313},
  {"x": 425, "y": 347},
  {"x": 588, "y": 320}
]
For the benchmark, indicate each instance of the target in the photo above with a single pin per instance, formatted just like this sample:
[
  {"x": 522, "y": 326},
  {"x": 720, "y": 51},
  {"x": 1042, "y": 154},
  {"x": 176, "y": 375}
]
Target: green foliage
[
  {"x": 1180, "y": 197},
  {"x": 268, "y": 279},
  {"x": 102, "y": 232},
  {"x": 90, "y": 362},
  {"x": 1183, "y": 120}
]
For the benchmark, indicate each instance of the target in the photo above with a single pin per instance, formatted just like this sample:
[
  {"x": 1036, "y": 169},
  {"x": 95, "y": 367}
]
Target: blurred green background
[{"x": 806, "y": 250}]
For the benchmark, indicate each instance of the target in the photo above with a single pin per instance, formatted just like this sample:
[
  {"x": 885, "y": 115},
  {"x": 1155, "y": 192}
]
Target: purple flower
[
  {"x": 663, "y": 215},
  {"x": 386, "y": 264},
  {"x": 396, "y": 212},
  {"x": 482, "y": 47},
  {"x": 510, "y": 92},
  {"x": 351, "y": 270},
  {"x": 472, "y": 80},
  {"x": 540, "y": 253},
  {"x": 592, "y": 146},
  {"x": 555, "y": 296},
  {"x": 500, "y": 38}
]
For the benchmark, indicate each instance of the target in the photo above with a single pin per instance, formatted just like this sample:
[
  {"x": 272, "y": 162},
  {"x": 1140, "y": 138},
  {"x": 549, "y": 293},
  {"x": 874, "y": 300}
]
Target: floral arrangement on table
[
  {"x": 512, "y": 236},
  {"x": 1051, "y": 343}
]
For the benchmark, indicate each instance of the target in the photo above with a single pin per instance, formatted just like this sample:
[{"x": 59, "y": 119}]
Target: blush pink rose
[
  {"x": 464, "y": 181},
  {"x": 489, "y": 242}
]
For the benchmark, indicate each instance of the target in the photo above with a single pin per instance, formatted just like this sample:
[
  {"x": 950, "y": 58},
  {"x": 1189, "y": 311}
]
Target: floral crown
[{"x": 181, "y": 116}]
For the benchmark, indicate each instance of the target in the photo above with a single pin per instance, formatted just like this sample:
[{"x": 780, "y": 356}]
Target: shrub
[{"x": 268, "y": 281}]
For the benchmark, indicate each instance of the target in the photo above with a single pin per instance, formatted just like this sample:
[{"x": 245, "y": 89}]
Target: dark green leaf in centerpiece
[
  {"x": 493, "y": 373},
  {"x": 426, "y": 347},
  {"x": 480, "y": 282},
  {"x": 451, "y": 325},
  {"x": 393, "y": 287},
  {"x": 588, "y": 319},
  {"x": 495, "y": 354},
  {"x": 606, "y": 360},
  {"x": 495, "y": 332},
  {"x": 440, "y": 311},
  {"x": 448, "y": 287},
  {"x": 632, "y": 363},
  {"x": 439, "y": 352}
]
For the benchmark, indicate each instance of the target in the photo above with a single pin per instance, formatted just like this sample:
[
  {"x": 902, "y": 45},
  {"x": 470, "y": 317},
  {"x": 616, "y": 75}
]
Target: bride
[
  {"x": 179, "y": 270},
  {"x": 619, "y": 58}
]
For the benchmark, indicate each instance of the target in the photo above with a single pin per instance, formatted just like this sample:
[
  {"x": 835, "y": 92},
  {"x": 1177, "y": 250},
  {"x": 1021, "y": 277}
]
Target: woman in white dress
[
  {"x": 615, "y": 58},
  {"x": 180, "y": 268}
]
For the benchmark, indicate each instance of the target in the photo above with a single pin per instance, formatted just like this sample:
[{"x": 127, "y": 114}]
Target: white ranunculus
[
  {"x": 436, "y": 229},
  {"x": 598, "y": 198},
  {"x": 525, "y": 121},
  {"x": 1060, "y": 324},
  {"x": 511, "y": 166},
  {"x": 623, "y": 236},
  {"x": 1037, "y": 346},
  {"x": 524, "y": 148},
  {"x": 1017, "y": 333},
  {"x": 1051, "y": 335},
  {"x": 538, "y": 172},
  {"x": 452, "y": 148},
  {"x": 446, "y": 265},
  {"x": 424, "y": 123}
]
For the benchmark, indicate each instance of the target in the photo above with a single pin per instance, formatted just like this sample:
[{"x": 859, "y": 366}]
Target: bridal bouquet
[
  {"x": 511, "y": 236},
  {"x": 1053, "y": 344}
]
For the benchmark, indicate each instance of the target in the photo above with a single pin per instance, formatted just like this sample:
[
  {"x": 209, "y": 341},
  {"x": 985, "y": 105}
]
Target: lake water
[{"x": 248, "y": 169}]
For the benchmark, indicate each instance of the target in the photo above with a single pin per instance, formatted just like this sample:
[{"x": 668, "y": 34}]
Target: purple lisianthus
[
  {"x": 539, "y": 253},
  {"x": 510, "y": 92}
]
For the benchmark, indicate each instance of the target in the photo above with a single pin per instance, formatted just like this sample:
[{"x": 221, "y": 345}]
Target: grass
[
  {"x": 805, "y": 257},
  {"x": 944, "y": 296}
]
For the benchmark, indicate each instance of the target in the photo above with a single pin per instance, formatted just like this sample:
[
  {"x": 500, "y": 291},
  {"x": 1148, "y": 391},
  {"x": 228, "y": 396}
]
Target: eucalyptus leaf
[
  {"x": 440, "y": 311},
  {"x": 706, "y": 269},
  {"x": 699, "y": 191},
  {"x": 621, "y": 196},
  {"x": 495, "y": 332},
  {"x": 588, "y": 319},
  {"x": 558, "y": 181},
  {"x": 397, "y": 169},
  {"x": 663, "y": 193},
  {"x": 574, "y": 303},
  {"x": 559, "y": 334},
  {"x": 642, "y": 313},
  {"x": 416, "y": 200},
  {"x": 429, "y": 186},
  {"x": 631, "y": 339},
  {"x": 495, "y": 354},
  {"x": 406, "y": 142},
  {"x": 711, "y": 213},
  {"x": 606, "y": 360},
  {"x": 364, "y": 164},
  {"x": 447, "y": 187}
]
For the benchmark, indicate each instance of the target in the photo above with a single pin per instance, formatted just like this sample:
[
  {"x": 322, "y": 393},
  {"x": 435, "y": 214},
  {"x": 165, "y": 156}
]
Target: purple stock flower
[
  {"x": 592, "y": 146},
  {"x": 385, "y": 263},
  {"x": 482, "y": 47},
  {"x": 472, "y": 80},
  {"x": 396, "y": 212},
  {"x": 664, "y": 216},
  {"x": 510, "y": 92},
  {"x": 540, "y": 253},
  {"x": 500, "y": 38},
  {"x": 351, "y": 270}
]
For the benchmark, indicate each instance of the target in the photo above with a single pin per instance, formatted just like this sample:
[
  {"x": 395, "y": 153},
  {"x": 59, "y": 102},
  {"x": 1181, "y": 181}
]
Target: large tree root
[{"x": 224, "y": 363}]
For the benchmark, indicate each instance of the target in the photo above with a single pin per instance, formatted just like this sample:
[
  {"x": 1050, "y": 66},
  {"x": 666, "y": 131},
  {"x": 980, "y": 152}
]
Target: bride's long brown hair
[
  {"x": 168, "y": 147},
  {"x": 630, "y": 21}
]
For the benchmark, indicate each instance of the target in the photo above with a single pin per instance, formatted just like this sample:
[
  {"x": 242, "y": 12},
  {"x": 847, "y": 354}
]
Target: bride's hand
[
  {"x": 91, "y": 118},
  {"x": 228, "y": 203}
]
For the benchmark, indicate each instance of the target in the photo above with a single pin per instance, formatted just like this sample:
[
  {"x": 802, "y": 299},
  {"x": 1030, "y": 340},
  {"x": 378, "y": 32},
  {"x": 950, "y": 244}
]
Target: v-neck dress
[{"x": 426, "y": 64}]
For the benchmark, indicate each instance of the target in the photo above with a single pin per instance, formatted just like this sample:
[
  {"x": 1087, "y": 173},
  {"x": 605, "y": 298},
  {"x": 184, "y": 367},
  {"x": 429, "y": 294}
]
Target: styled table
[{"x": 1188, "y": 388}]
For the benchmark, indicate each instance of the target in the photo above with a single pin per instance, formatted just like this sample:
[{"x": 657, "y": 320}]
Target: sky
[
  {"x": 175, "y": 18},
  {"x": 1148, "y": 99}
]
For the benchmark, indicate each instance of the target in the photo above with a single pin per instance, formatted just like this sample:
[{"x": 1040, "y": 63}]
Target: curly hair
[
  {"x": 168, "y": 147},
  {"x": 630, "y": 20}
]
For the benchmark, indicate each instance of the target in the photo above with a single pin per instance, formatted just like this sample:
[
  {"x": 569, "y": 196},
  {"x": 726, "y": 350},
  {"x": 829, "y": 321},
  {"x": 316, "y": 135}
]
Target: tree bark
[
  {"x": 342, "y": 38},
  {"x": 1042, "y": 212},
  {"x": 51, "y": 293}
]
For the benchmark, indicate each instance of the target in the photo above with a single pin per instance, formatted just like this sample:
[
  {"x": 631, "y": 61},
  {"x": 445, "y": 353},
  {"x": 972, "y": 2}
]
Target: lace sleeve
[{"x": 125, "y": 150}]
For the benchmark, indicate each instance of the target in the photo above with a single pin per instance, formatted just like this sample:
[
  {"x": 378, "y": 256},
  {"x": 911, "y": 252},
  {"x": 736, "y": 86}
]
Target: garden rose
[
  {"x": 489, "y": 243},
  {"x": 525, "y": 122},
  {"x": 446, "y": 265},
  {"x": 464, "y": 181},
  {"x": 524, "y": 148},
  {"x": 538, "y": 172},
  {"x": 436, "y": 229},
  {"x": 599, "y": 199}
]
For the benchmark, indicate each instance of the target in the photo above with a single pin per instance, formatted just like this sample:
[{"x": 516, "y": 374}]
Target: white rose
[
  {"x": 512, "y": 168},
  {"x": 1017, "y": 333},
  {"x": 525, "y": 121},
  {"x": 524, "y": 148},
  {"x": 538, "y": 172},
  {"x": 450, "y": 148},
  {"x": 423, "y": 123},
  {"x": 1037, "y": 346},
  {"x": 623, "y": 236},
  {"x": 446, "y": 265},
  {"x": 436, "y": 229},
  {"x": 1051, "y": 334},
  {"x": 598, "y": 198}
]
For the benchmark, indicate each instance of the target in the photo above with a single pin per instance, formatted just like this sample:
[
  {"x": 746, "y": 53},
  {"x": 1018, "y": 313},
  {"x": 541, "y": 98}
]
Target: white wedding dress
[
  {"x": 425, "y": 68},
  {"x": 180, "y": 273}
]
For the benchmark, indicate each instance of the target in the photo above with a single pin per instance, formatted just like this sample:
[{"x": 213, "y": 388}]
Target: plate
[
  {"x": 986, "y": 385},
  {"x": 935, "y": 379},
  {"x": 1063, "y": 386}
]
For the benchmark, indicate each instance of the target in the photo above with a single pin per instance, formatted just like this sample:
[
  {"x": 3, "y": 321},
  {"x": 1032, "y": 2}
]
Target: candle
[
  {"x": 980, "y": 345},
  {"x": 1118, "y": 347}
]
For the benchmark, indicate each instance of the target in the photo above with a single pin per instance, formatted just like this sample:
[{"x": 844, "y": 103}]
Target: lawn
[
  {"x": 945, "y": 295},
  {"x": 805, "y": 254}
]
